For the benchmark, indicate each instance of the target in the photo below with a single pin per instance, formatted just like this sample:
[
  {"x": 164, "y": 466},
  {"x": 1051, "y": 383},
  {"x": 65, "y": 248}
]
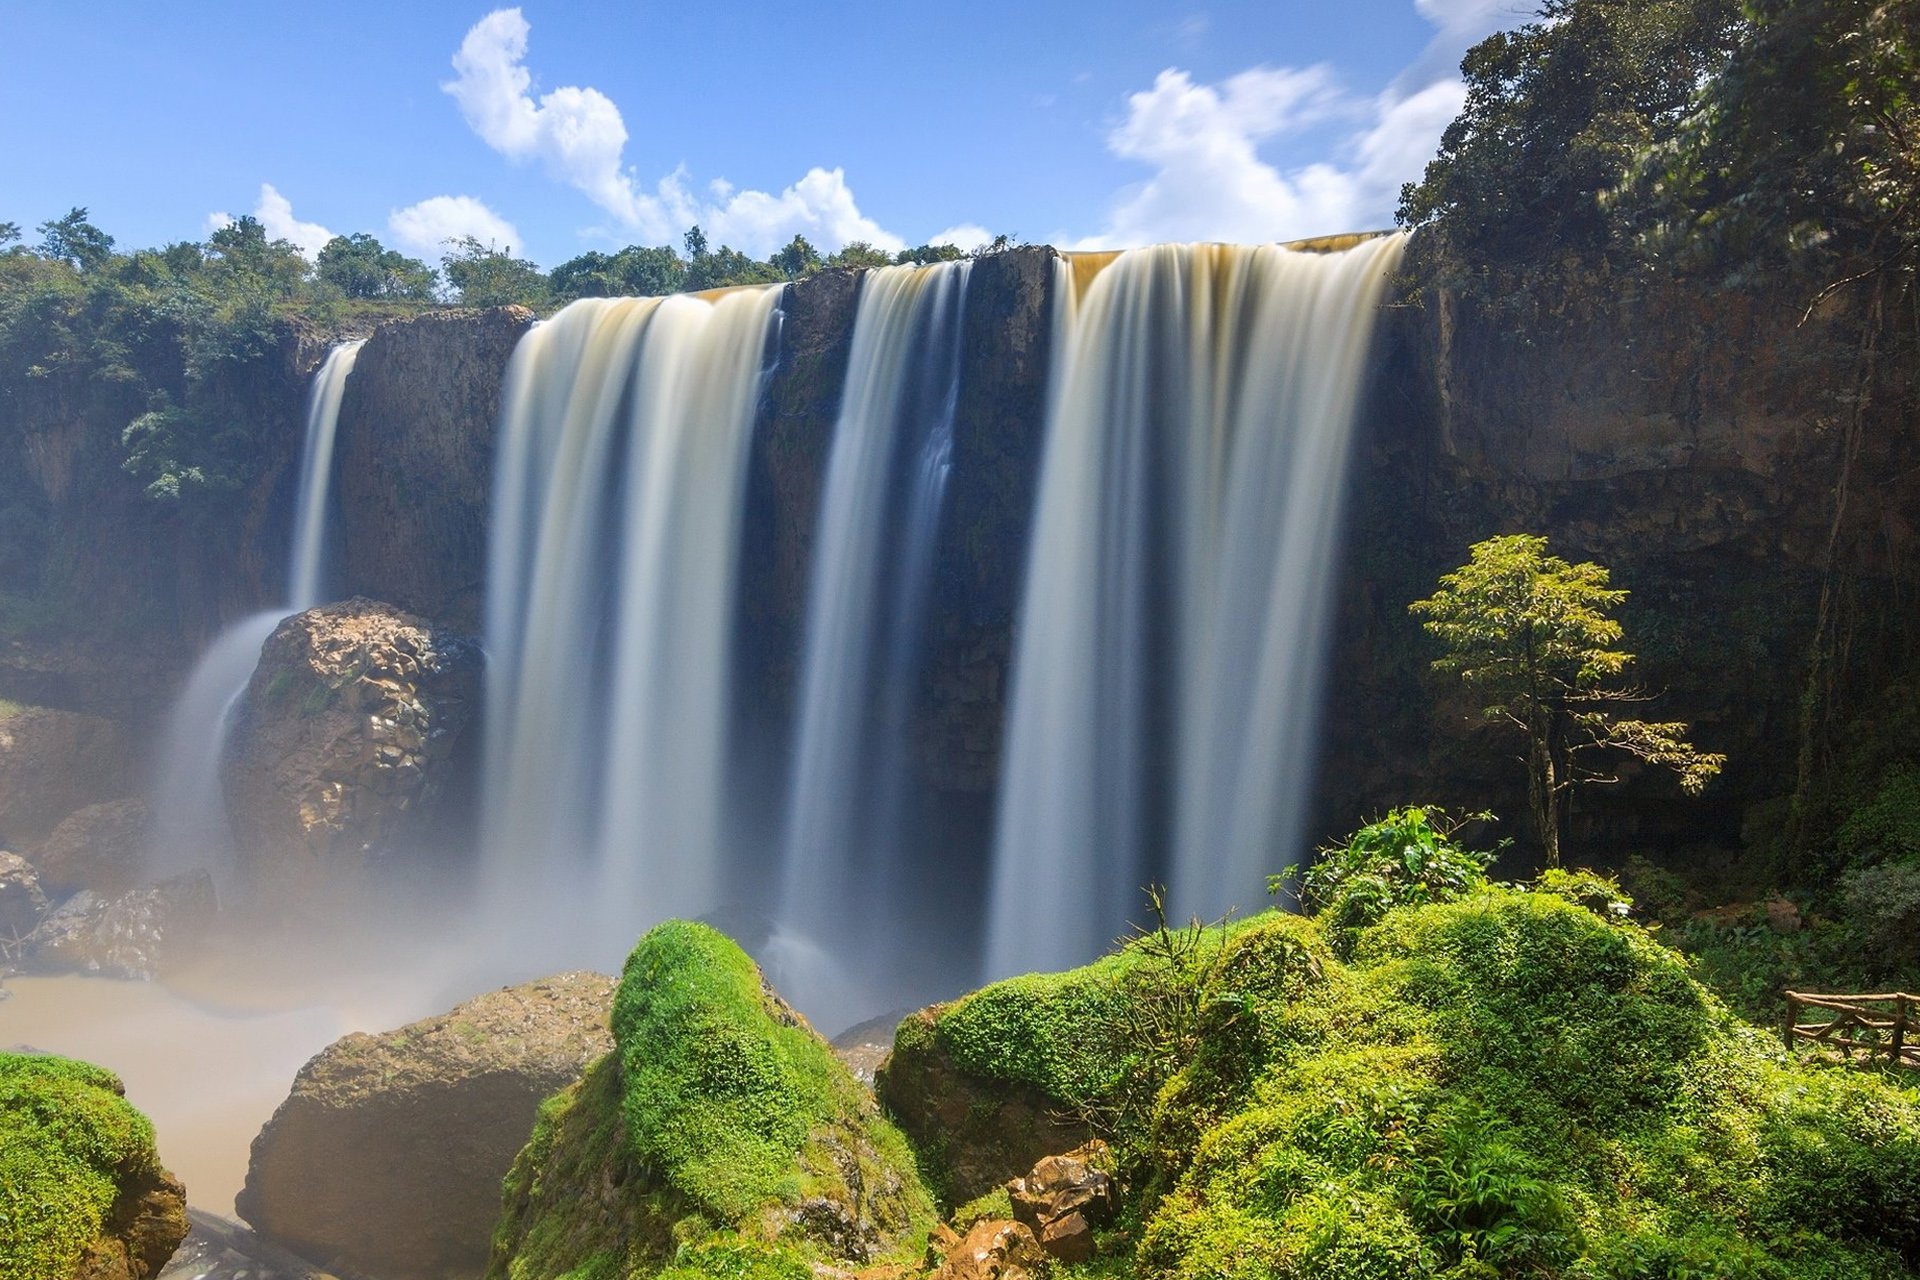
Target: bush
[{"x": 1407, "y": 858}]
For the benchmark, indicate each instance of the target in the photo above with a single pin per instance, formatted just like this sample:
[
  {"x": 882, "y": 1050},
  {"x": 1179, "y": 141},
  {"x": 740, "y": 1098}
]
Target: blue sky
[{"x": 557, "y": 127}]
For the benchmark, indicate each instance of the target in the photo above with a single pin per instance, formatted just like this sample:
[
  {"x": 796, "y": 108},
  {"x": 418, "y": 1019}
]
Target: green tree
[
  {"x": 1533, "y": 634},
  {"x": 927, "y": 254},
  {"x": 799, "y": 258},
  {"x": 361, "y": 267},
  {"x": 1804, "y": 150},
  {"x": 9, "y": 233},
  {"x": 490, "y": 277},
  {"x": 74, "y": 239},
  {"x": 248, "y": 261},
  {"x": 858, "y": 253},
  {"x": 1557, "y": 114},
  {"x": 634, "y": 272}
]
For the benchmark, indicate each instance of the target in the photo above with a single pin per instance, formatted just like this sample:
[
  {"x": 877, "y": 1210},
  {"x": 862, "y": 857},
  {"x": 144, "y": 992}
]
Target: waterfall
[
  {"x": 612, "y": 575},
  {"x": 190, "y": 813},
  {"x": 1170, "y": 643},
  {"x": 866, "y": 614}
]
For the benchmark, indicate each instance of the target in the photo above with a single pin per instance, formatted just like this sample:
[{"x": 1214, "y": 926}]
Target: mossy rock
[
  {"x": 1511, "y": 1083},
  {"x": 82, "y": 1193},
  {"x": 721, "y": 1137}
]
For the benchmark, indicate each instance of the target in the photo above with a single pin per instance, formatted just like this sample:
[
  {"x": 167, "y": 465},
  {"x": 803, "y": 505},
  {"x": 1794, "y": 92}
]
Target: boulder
[
  {"x": 99, "y": 847},
  {"x": 994, "y": 1249},
  {"x": 345, "y": 738},
  {"x": 83, "y": 1160},
  {"x": 1064, "y": 1197},
  {"x": 721, "y": 1136},
  {"x": 129, "y": 935},
  {"x": 22, "y": 902},
  {"x": 387, "y": 1156},
  {"x": 54, "y": 762}
]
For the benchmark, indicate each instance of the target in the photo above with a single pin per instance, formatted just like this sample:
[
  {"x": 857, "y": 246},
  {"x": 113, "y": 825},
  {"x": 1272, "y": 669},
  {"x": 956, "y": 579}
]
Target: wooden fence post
[{"x": 1899, "y": 1027}]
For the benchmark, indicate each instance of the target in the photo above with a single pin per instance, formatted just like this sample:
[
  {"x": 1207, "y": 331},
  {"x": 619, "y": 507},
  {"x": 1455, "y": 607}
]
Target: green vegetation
[
  {"x": 68, "y": 1139},
  {"x": 743, "y": 1148},
  {"x": 1533, "y": 635},
  {"x": 1407, "y": 858},
  {"x": 1496, "y": 1081}
]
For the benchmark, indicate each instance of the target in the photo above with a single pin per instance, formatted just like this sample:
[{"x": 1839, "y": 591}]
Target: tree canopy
[{"x": 1535, "y": 637}]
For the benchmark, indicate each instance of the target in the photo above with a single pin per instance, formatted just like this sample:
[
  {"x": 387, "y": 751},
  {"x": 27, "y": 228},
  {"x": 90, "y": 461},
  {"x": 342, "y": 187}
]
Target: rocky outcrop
[
  {"x": 22, "y": 902},
  {"x": 415, "y": 460},
  {"x": 994, "y": 1249},
  {"x": 85, "y": 1195},
  {"x": 52, "y": 763},
  {"x": 721, "y": 1126},
  {"x": 386, "y": 1158},
  {"x": 129, "y": 935},
  {"x": 99, "y": 847},
  {"x": 345, "y": 739},
  {"x": 982, "y": 1132},
  {"x": 1064, "y": 1197}
]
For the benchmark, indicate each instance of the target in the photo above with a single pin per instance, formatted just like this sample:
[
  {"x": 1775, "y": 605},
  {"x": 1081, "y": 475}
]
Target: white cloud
[
  {"x": 1209, "y": 180},
  {"x": 579, "y": 137},
  {"x": 274, "y": 212},
  {"x": 968, "y": 235},
  {"x": 427, "y": 226}
]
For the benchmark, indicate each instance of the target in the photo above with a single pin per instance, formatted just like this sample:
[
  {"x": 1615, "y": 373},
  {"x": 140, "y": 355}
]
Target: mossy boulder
[
  {"x": 1505, "y": 1084},
  {"x": 82, "y": 1193},
  {"x": 721, "y": 1137}
]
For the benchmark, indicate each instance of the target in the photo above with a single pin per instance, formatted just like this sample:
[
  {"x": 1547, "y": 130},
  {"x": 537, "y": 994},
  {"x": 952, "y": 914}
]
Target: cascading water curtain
[
  {"x": 612, "y": 581},
  {"x": 866, "y": 613},
  {"x": 190, "y": 812},
  {"x": 1171, "y": 640}
]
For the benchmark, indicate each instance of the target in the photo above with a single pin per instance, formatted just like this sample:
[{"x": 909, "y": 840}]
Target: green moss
[
  {"x": 720, "y": 1138},
  {"x": 67, "y": 1140},
  {"x": 1049, "y": 1031}
]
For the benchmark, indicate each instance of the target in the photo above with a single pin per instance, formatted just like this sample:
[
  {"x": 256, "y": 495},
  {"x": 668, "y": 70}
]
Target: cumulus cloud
[
  {"x": 426, "y": 227},
  {"x": 274, "y": 212},
  {"x": 1203, "y": 143},
  {"x": 967, "y": 235},
  {"x": 578, "y": 136}
]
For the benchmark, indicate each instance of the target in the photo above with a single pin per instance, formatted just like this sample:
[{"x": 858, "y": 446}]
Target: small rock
[
  {"x": 1063, "y": 1197},
  {"x": 99, "y": 847},
  {"x": 995, "y": 1249},
  {"x": 22, "y": 902},
  {"x": 131, "y": 935},
  {"x": 1782, "y": 916}
]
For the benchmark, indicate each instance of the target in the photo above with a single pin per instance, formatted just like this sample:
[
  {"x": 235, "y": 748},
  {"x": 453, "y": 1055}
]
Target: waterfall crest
[
  {"x": 612, "y": 577},
  {"x": 866, "y": 614},
  {"x": 1169, "y": 646},
  {"x": 190, "y": 813}
]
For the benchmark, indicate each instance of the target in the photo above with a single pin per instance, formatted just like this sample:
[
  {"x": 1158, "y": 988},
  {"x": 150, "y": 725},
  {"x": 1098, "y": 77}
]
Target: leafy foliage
[
  {"x": 361, "y": 267},
  {"x": 1533, "y": 634},
  {"x": 1407, "y": 858},
  {"x": 484, "y": 275}
]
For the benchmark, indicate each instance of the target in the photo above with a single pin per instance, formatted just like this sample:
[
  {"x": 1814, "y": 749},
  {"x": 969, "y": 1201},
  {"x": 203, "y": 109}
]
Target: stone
[
  {"x": 22, "y": 901},
  {"x": 129, "y": 935},
  {"x": 146, "y": 1225},
  {"x": 387, "y": 1156},
  {"x": 1782, "y": 916},
  {"x": 986, "y": 1131},
  {"x": 346, "y": 738},
  {"x": 54, "y": 762},
  {"x": 99, "y": 847},
  {"x": 994, "y": 1249},
  {"x": 1063, "y": 1196}
]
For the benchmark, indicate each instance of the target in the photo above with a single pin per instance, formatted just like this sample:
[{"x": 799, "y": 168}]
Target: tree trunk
[{"x": 1543, "y": 793}]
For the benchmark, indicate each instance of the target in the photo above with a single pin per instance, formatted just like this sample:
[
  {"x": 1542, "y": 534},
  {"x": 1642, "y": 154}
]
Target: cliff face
[
  {"x": 414, "y": 461},
  {"x": 1696, "y": 444}
]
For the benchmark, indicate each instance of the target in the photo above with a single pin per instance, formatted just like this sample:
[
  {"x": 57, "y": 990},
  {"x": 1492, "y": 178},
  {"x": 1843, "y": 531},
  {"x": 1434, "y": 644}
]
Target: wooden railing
[{"x": 1869, "y": 1026}]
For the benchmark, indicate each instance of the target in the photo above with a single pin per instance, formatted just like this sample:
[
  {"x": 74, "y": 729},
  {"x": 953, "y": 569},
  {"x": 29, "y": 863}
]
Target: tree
[
  {"x": 1533, "y": 634},
  {"x": 1557, "y": 113},
  {"x": 858, "y": 253},
  {"x": 9, "y": 233},
  {"x": 490, "y": 277},
  {"x": 928, "y": 254},
  {"x": 634, "y": 272},
  {"x": 798, "y": 259},
  {"x": 361, "y": 267},
  {"x": 249, "y": 260},
  {"x": 76, "y": 240}
]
